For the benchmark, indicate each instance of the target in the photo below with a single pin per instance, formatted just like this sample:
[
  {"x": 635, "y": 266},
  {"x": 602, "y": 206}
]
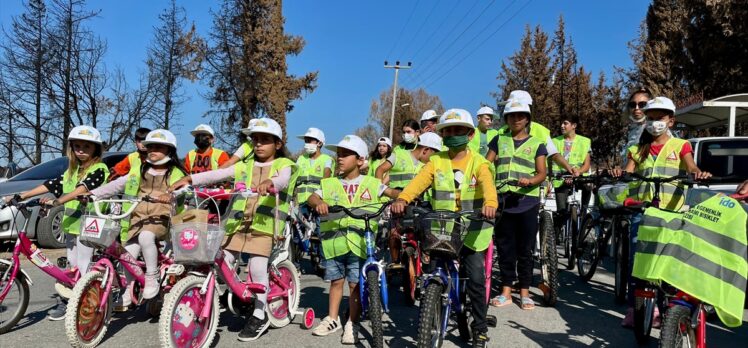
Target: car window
[
  {"x": 726, "y": 157},
  {"x": 45, "y": 171}
]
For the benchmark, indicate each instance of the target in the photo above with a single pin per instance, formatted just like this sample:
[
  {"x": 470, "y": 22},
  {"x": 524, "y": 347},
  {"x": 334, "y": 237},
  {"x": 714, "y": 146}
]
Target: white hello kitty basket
[{"x": 196, "y": 243}]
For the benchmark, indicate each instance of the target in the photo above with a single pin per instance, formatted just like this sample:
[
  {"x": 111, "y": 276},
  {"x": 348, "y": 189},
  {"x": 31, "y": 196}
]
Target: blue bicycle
[
  {"x": 372, "y": 281},
  {"x": 444, "y": 292}
]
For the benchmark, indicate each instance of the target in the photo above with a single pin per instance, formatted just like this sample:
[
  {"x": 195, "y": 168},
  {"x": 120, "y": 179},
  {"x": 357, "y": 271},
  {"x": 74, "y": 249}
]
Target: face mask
[
  {"x": 409, "y": 138},
  {"x": 656, "y": 127},
  {"x": 164, "y": 160},
  {"x": 202, "y": 142},
  {"x": 456, "y": 141},
  {"x": 310, "y": 149}
]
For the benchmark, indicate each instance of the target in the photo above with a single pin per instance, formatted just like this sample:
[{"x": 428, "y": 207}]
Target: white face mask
[
  {"x": 656, "y": 128},
  {"x": 164, "y": 160},
  {"x": 409, "y": 138},
  {"x": 310, "y": 149}
]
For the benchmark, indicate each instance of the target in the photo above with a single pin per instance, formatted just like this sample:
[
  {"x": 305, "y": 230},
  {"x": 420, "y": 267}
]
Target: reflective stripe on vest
[
  {"x": 310, "y": 176},
  {"x": 668, "y": 164},
  {"x": 72, "y": 211},
  {"x": 471, "y": 196},
  {"x": 515, "y": 164},
  {"x": 340, "y": 233},
  {"x": 580, "y": 147},
  {"x": 477, "y": 146},
  {"x": 214, "y": 156},
  {"x": 702, "y": 252},
  {"x": 263, "y": 220},
  {"x": 403, "y": 170},
  {"x": 132, "y": 188}
]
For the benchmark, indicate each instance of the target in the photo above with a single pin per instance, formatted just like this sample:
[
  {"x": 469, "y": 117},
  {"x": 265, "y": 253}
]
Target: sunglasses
[{"x": 640, "y": 104}]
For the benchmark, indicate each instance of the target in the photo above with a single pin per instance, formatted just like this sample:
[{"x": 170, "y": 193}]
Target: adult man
[{"x": 483, "y": 135}]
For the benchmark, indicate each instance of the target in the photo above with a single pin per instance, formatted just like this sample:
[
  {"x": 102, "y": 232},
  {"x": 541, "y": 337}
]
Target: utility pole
[{"x": 397, "y": 68}]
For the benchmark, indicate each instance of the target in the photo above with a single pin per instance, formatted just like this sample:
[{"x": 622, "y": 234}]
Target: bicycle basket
[
  {"x": 196, "y": 243},
  {"x": 612, "y": 196},
  {"x": 444, "y": 236},
  {"x": 97, "y": 232}
]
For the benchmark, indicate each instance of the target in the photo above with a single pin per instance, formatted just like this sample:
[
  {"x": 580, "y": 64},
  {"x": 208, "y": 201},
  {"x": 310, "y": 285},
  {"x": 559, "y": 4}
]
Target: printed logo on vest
[
  {"x": 527, "y": 151},
  {"x": 672, "y": 156},
  {"x": 366, "y": 196},
  {"x": 473, "y": 181}
]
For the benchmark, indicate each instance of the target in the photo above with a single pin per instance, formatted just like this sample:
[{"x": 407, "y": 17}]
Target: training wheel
[{"x": 308, "y": 318}]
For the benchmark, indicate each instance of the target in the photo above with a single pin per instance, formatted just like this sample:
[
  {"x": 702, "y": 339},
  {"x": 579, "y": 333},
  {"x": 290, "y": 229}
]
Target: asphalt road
[{"x": 584, "y": 316}]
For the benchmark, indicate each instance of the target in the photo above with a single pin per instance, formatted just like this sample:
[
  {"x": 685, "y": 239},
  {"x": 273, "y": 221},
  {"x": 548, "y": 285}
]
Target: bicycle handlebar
[
  {"x": 441, "y": 214},
  {"x": 364, "y": 216}
]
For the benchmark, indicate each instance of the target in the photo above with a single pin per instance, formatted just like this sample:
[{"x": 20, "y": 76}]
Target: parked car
[{"x": 46, "y": 229}]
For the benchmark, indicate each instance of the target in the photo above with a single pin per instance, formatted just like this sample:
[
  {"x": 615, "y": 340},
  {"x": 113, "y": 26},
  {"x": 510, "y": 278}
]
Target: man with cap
[
  {"x": 343, "y": 247},
  {"x": 483, "y": 135},
  {"x": 428, "y": 121},
  {"x": 205, "y": 157},
  {"x": 539, "y": 131}
]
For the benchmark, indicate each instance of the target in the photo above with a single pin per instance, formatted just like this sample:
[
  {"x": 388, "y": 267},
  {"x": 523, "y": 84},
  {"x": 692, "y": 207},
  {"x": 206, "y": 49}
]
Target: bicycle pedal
[
  {"x": 491, "y": 320},
  {"x": 544, "y": 288}
]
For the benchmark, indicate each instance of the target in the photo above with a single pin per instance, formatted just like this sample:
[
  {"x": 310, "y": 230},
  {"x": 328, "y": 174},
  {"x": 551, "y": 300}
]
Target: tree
[
  {"x": 246, "y": 64},
  {"x": 175, "y": 54},
  {"x": 409, "y": 106},
  {"x": 563, "y": 72}
]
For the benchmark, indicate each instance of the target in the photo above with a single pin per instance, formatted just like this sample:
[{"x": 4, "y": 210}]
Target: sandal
[
  {"x": 500, "y": 301},
  {"x": 527, "y": 303}
]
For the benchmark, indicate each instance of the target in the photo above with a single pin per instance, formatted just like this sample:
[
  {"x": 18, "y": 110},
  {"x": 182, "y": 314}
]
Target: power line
[
  {"x": 418, "y": 31},
  {"x": 400, "y": 35},
  {"x": 436, "y": 30},
  {"x": 481, "y": 44},
  {"x": 462, "y": 49},
  {"x": 431, "y": 61}
]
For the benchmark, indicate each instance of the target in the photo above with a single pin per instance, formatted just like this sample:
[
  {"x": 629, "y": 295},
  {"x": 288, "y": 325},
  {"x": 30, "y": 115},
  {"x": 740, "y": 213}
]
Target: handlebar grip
[{"x": 335, "y": 208}]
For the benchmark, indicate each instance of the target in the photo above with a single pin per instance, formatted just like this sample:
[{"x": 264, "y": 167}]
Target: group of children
[{"x": 441, "y": 153}]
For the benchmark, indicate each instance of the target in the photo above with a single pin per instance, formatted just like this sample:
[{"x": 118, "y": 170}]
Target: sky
[{"x": 456, "y": 48}]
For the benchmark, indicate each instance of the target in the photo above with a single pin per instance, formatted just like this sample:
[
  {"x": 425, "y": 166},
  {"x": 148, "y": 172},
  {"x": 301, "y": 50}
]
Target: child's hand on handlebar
[
  {"x": 702, "y": 175},
  {"x": 524, "y": 182},
  {"x": 575, "y": 172},
  {"x": 616, "y": 172},
  {"x": 489, "y": 212},
  {"x": 264, "y": 187},
  {"x": 398, "y": 207},
  {"x": 49, "y": 201},
  {"x": 323, "y": 209},
  {"x": 180, "y": 183},
  {"x": 743, "y": 188},
  {"x": 162, "y": 198}
]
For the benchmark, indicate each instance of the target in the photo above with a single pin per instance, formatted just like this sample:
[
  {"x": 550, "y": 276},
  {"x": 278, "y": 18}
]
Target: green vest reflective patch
[
  {"x": 71, "y": 218},
  {"x": 444, "y": 197},
  {"x": 580, "y": 147},
  {"x": 403, "y": 170},
  {"x": 310, "y": 175},
  {"x": 132, "y": 188},
  {"x": 479, "y": 143},
  {"x": 515, "y": 164},
  {"x": 135, "y": 162},
  {"x": 340, "y": 233},
  {"x": 702, "y": 252},
  {"x": 667, "y": 164},
  {"x": 264, "y": 216},
  {"x": 214, "y": 156}
]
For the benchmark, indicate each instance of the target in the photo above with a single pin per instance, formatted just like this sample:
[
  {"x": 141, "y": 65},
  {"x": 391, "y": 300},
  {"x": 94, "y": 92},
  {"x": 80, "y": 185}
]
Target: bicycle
[
  {"x": 14, "y": 279},
  {"x": 546, "y": 253},
  {"x": 568, "y": 232},
  {"x": 189, "y": 317},
  {"x": 443, "y": 290},
  {"x": 306, "y": 239}
]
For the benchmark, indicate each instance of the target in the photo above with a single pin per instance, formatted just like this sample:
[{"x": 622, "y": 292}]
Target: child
[
  {"x": 250, "y": 221},
  {"x": 205, "y": 157},
  {"x": 85, "y": 172},
  {"x": 134, "y": 159},
  {"x": 484, "y": 135},
  {"x": 658, "y": 154},
  {"x": 402, "y": 165},
  {"x": 454, "y": 171},
  {"x": 150, "y": 220},
  {"x": 428, "y": 121},
  {"x": 379, "y": 155},
  {"x": 518, "y": 156},
  {"x": 345, "y": 249},
  {"x": 313, "y": 165}
]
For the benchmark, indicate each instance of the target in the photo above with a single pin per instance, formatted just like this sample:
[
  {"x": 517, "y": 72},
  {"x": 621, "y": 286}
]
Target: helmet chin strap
[
  {"x": 637, "y": 120},
  {"x": 164, "y": 160}
]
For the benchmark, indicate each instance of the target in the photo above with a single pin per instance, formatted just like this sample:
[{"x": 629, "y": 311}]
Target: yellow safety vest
[
  {"x": 580, "y": 147},
  {"x": 515, "y": 164},
  {"x": 310, "y": 175},
  {"x": 479, "y": 143},
  {"x": 132, "y": 187},
  {"x": 214, "y": 156},
  {"x": 71, "y": 218},
  {"x": 403, "y": 170},
  {"x": 667, "y": 164}
]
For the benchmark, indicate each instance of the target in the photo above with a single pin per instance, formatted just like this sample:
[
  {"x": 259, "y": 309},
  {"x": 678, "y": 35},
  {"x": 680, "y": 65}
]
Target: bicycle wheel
[
  {"x": 14, "y": 305},
  {"x": 548, "y": 259},
  {"x": 409, "y": 278},
  {"x": 676, "y": 328},
  {"x": 180, "y": 324},
  {"x": 621, "y": 261},
  {"x": 643, "y": 316},
  {"x": 85, "y": 324},
  {"x": 375, "y": 309},
  {"x": 570, "y": 239},
  {"x": 430, "y": 333},
  {"x": 587, "y": 248},
  {"x": 281, "y": 309}
]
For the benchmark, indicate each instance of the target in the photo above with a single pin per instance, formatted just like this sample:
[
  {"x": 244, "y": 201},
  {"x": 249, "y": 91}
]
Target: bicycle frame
[{"x": 372, "y": 263}]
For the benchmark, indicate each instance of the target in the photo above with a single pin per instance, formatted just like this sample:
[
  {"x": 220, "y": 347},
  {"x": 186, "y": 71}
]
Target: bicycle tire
[
  {"x": 549, "y": 259},
  {"x": 430, "y": 319},
  {"x": 643, "y": 317},
  {"x": 189, "y": 286},
  {"x": 20, "y": 283},
  {"x": 375, "y": 309},
  {"x": 621, "y": 262},
  {"x": 90, "y": 286},
  {"x": 588, "y": 250},
  {"x": 281, "y": 311},
  {"x": 676, "y": 325}
]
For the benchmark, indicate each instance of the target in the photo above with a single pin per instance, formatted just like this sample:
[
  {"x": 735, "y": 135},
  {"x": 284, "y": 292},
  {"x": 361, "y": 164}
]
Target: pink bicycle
[
  {"x": 15, "y": 282},
  {"x": 89, "y": 309},
  {"x": 189, "y": 317}
]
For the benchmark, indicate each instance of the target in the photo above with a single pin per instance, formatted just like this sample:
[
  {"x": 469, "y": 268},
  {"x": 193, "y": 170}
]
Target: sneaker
[
  {"x": 125, "y": 300},
  {"x": 350, "y": 333},
  {"x": 254, "y": 328},
  {"x": 58, "y": 313},
  {"x": 480, "y": 340},
  {"x": 326, "y": 327},
  {"x": 628, "y": 320},
  {"x": 150, "y": 290}
]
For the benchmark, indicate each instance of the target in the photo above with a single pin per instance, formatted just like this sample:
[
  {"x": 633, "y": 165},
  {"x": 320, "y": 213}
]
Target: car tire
[{"x": 49, "y": 232}]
